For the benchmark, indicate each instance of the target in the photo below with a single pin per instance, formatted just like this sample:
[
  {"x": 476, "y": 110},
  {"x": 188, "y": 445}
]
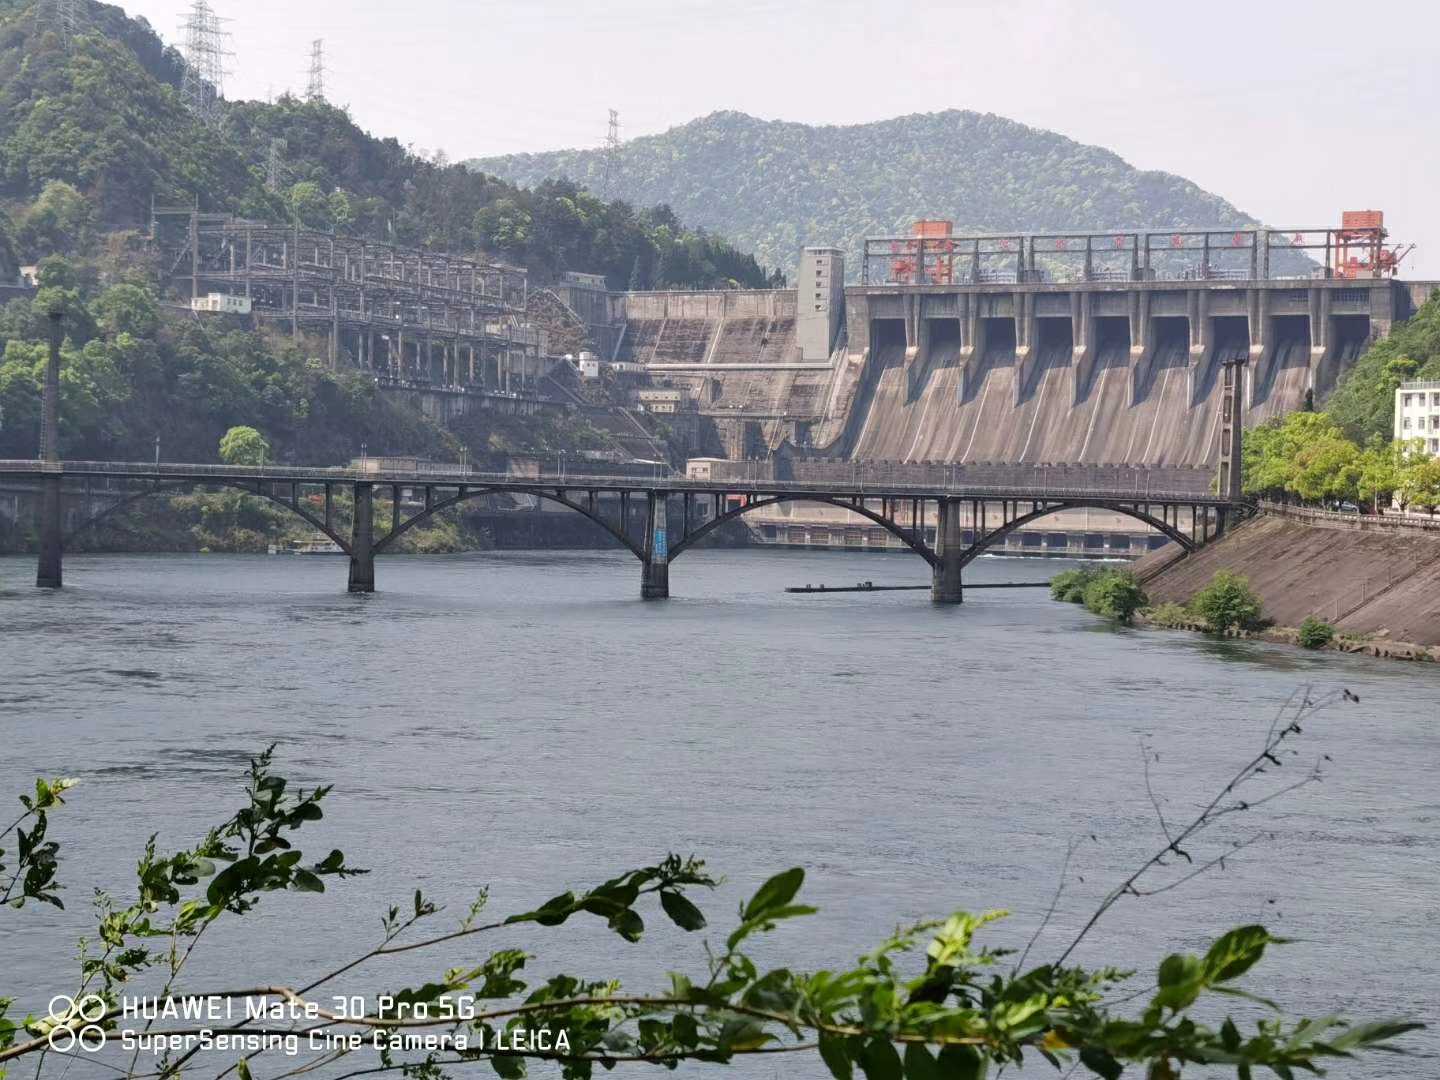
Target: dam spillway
[{"x": 1101, "y": 372}]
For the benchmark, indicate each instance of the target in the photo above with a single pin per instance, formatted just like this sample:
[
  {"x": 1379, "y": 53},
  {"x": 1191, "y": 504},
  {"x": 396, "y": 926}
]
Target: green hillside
[
  {"x": 772, "y": 187},
  {"x": 102, "y": 112},
  {"x": 93, "y": 127}
]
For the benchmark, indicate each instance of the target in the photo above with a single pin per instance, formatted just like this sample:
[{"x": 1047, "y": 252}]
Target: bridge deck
[{"x": 856, "y": 488}]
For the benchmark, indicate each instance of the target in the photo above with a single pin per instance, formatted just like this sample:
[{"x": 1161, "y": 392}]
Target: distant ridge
[{"x": 771, "y": 187}]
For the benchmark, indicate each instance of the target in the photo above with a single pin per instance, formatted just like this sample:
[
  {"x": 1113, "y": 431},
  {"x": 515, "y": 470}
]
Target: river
[{"x": 523, "y": 720}]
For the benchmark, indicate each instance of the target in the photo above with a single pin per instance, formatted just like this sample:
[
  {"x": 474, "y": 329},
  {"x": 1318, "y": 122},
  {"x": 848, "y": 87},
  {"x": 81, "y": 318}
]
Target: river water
[{"x": 522, "y": 720}]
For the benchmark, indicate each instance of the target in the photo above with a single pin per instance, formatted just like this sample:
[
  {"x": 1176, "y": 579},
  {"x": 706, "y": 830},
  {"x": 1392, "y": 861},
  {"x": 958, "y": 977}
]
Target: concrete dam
[
  {"x": 1097, "y": 359},
  {"x": 1104, "y": 374}
]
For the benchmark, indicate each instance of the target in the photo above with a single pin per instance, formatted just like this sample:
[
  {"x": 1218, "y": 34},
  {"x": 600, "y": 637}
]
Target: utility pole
[
  {"x": 315, "y": 87},
  {"x": 203, "y": 84},
  {"x": 612, "y": 151}
]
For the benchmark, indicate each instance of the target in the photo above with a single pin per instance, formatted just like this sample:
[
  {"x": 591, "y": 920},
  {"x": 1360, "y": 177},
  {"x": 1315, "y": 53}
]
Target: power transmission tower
[
  {"x": 203, "y": 84},
  {"x": 315, "y": 89},
  {"x": 274, "y": 163},
  {"x": 612, "y": 150},
  {"x": 62, "y": 16}
]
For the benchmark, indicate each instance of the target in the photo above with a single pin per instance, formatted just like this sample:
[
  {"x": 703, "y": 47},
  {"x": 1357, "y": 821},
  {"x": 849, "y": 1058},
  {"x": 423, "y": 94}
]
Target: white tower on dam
[{"x": 819, "y": 301}]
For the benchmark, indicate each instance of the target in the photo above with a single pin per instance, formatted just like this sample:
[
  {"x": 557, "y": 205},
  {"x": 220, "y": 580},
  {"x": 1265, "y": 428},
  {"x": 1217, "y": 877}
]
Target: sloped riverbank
[{"x": 1379, "y": 587}]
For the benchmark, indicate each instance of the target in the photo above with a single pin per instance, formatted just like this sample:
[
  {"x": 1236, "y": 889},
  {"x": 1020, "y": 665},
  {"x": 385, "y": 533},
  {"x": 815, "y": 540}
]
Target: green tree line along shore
[
  {"x": 1226, "y": 604},
  {"x": 1347, "y": 453}
]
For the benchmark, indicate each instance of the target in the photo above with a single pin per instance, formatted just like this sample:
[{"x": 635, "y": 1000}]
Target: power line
[
  {"x": 203, "y": 84},
  {"x": 274, "y": 162},
  {"x": 62, "y": 16},
  {"x": 612, "y": 150},
  {"x": 315, "y": 88}
]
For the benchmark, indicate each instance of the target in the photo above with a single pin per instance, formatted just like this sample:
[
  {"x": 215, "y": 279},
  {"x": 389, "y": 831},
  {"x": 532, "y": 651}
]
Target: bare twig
[
  {"x": 1285, "y": 723},
  {"x": 1050, "y": 911},
  {"x": 1150, "y": 790}
]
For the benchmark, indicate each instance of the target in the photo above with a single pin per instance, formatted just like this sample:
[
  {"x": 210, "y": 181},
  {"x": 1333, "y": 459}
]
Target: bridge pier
[
  {"x": 48, "y": 576},
  {"x": 655, "y": 566},
  {"x": 362, "y": 540},
  {"x": 945, "y": 585}
]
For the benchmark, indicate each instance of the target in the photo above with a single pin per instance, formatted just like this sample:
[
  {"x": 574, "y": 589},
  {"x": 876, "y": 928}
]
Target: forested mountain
[
  {"x": 101, "y": 111},
  {"x": 92, "y": 126},
  {"x": 772, "y": 187}
]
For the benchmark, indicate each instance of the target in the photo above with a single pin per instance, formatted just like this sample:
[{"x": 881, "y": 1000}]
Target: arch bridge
[{"x": 657, "y": 520}]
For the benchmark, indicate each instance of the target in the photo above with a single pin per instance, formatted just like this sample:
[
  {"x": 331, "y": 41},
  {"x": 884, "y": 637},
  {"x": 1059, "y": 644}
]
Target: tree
[
  {"x": 1276, "y": 454},
  {"x": 128, "y": 309},
  {"x": 309, "y": 205},
  {"x": 1380, "y": 465},
  {"x": 1227, "y": 602},
  {"x": 929, "y": 1002},
  {"x": 1420, "y": 483},
  {"x": 341, "y": 210},
  {"x": 58, "y": 222},
  {"x": 244, "y": 446},
  {"x": 1327, "y": 469}
]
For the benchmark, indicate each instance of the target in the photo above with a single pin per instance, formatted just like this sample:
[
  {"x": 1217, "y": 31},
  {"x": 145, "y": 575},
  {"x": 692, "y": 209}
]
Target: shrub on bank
[
  {"x": 1227, "y": 602},
  {"x": 1115, "y": 594},
  {"x": 1316, "y": 633},
  {"x": 1171, "y": 616},
  {"x": 1070, "y": 585}
]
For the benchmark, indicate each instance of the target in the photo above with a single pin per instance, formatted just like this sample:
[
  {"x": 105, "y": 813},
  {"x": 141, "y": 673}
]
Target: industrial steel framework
[
  {"x": 1170, "y": 254},
  {"x": 203, "y": 83},
  {"x": 409, "y": 316}
]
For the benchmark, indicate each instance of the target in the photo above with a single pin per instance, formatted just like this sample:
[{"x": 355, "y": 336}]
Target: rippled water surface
[{"x": 524, "y": 721}]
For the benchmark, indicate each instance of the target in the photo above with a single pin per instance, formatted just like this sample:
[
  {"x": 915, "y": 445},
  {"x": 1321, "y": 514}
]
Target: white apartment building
[{"x": 1417, "y": 413}]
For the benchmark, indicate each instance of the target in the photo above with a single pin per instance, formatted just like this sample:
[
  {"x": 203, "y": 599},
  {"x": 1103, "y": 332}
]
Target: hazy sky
[{"x": 1294, "y": 111}]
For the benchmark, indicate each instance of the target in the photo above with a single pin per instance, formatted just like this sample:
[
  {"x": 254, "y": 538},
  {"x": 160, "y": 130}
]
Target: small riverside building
[{"x": 1417, "y": 413}]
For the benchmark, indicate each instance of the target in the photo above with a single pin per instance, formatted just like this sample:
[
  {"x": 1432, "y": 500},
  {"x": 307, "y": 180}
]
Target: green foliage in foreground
[
  {"x": 1227, "y": 603},
  {"x": 1316, "y": 633},
  {"x": 1114, "y": 594},
  {"x": 960, "y": 1009}
]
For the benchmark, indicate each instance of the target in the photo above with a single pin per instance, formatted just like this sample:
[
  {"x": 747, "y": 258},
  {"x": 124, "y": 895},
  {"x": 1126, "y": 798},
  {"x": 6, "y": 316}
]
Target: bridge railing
[
  {"x": 445, "y": 476},
  {"x": 1340, "y": 520}
]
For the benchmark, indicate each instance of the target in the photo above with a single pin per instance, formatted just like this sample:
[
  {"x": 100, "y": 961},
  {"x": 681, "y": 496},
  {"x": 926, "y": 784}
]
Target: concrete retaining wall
[{"x": 1382, "y": 582}]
